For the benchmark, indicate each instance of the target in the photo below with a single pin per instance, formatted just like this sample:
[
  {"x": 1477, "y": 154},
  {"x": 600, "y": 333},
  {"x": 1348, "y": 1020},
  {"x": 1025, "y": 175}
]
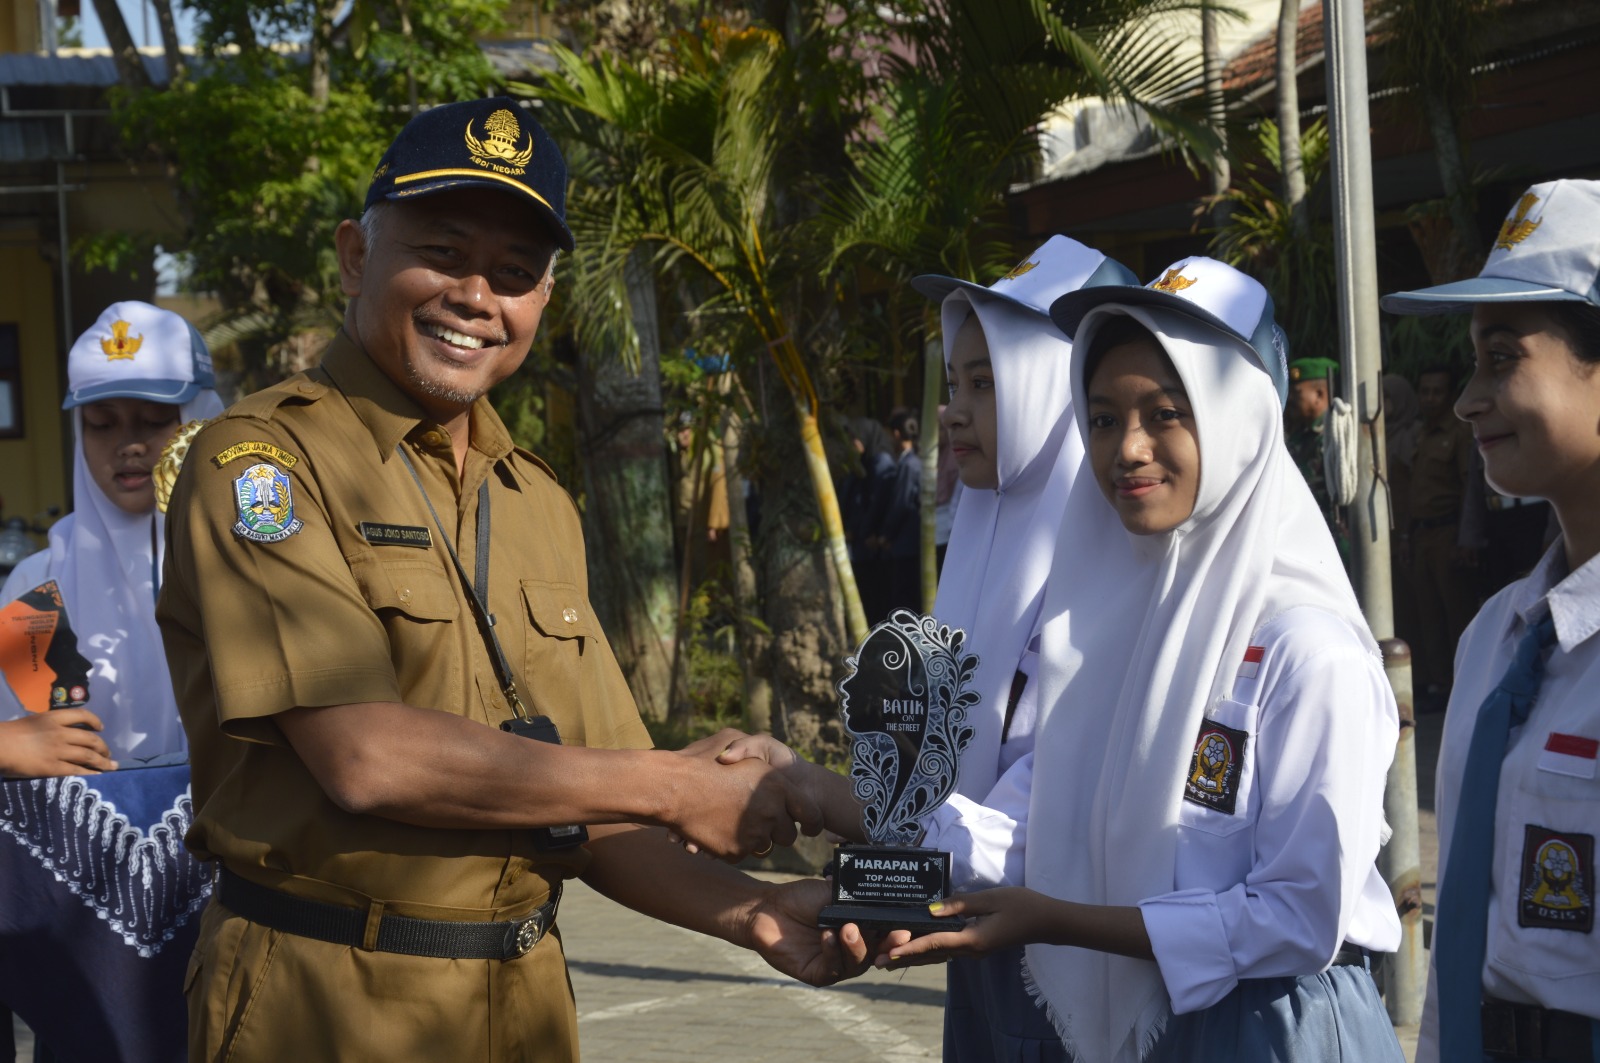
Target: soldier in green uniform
[{"x": 1306, "y": 418}]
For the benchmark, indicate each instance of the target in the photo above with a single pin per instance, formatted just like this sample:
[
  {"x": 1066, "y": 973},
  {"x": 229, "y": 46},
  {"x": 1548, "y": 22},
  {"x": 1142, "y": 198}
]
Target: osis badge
[
  {"x": 266, "y": 507},
  {"x": 1557, "y": 880},
  {"x": 1213, "y": 779}
]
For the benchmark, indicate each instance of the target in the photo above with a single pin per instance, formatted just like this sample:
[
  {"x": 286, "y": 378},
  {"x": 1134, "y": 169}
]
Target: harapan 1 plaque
[{"x": 905, "y": 703}]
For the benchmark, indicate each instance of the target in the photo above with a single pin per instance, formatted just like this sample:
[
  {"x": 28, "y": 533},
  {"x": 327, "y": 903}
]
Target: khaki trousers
[{"x": 262, "y": 996}]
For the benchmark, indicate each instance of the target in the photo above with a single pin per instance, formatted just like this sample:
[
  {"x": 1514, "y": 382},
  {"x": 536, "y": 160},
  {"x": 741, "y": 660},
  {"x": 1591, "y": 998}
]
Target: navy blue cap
[{"x": 492, "y": 143}]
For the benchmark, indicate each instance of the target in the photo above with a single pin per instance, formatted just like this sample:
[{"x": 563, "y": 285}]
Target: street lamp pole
[{"x": 1360, "y": 352}]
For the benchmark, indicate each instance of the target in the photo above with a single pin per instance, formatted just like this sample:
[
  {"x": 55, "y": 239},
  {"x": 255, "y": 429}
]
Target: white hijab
[
  {"x": 1135, "y": 651},
  {"x": 1002, "y": 541},
  {"x": 108, "y": 563}
]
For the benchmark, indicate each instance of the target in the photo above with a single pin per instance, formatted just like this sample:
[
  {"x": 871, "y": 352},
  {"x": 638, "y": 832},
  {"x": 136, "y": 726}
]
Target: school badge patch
[
  {"x": 266, "y": 506},
  {"x": 1557, "y": 880},
  {"x": 1214, "y": 772}
]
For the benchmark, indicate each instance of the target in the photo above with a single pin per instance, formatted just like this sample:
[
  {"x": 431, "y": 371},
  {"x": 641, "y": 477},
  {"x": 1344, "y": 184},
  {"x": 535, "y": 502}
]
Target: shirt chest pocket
[
  {"x": 411, "y": 588},
  {"x": 560, "y": 626},
  {"x": 1219, "y": 779}
]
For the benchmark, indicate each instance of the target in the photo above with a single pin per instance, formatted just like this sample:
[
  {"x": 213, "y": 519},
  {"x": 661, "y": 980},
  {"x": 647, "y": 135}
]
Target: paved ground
[{"x": 652, "y": 993}]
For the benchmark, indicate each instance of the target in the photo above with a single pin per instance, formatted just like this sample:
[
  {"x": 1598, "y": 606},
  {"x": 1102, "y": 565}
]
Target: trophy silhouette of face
[{"x": 888, "y": 694}]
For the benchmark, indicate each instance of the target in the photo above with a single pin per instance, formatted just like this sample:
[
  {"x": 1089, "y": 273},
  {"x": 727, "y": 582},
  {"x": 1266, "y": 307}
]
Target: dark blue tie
[{"x": 1460, "y": 929}]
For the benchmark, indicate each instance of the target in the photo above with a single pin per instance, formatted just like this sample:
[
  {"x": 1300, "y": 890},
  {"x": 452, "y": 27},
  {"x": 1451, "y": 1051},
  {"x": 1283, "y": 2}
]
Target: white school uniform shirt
[
  {"x": 1274, "y": 888},
  {"x": 1536, "y": 953}
]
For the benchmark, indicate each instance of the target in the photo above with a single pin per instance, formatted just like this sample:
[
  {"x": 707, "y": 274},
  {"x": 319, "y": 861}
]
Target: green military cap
[{"x": 1312, "y": 369}]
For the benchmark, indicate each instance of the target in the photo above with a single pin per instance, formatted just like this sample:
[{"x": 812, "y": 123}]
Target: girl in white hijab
[
  {"x": 133, "y": 378},
  {"x": 1206, "y": 800},
  {"x": 1011, "y": 431}
]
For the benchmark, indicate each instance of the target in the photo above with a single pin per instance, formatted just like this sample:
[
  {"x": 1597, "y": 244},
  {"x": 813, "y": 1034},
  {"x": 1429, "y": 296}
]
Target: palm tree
[
  {"x": 697, "y": 143},
  {"x": 956, "y": 123}
]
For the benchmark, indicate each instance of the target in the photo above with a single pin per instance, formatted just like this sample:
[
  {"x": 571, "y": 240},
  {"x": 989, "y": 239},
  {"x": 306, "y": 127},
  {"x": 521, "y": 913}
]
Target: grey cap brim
[
  {"x": 1459, "y": 297},
  {"x": 558, "y": 227},
  {"x": 1069, "y": 311},
  {"x": 173, "y": 392},
  {"x": 936, "y": 287}
]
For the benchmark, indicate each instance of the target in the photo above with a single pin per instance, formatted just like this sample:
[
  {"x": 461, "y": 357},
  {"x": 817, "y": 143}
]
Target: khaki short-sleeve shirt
[{"x": 304, "y": 569}]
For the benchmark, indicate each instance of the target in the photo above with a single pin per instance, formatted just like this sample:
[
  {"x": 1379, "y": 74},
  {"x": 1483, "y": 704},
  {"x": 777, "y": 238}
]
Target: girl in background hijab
[
  {"x": 1206, "y": 800},
  {"x": 133, "y": 378},
  {"x": 1009, "y": 419}
]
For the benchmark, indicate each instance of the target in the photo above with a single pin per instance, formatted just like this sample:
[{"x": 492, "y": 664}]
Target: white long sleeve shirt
[
  {"x": 1274, "y": 888},
  {"x": 1543, "y": 947}
]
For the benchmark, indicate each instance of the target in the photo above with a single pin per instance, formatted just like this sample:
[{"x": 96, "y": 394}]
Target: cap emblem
[
  {"x": 1172, "y": 281},
  {"x": 120, "y": 345},
  {"x": 1021, "y": 268},
  {"x": 1294, "y": 372},
  {"x": 1517, "y": 227},
  {"x": 498, "y": 150}
]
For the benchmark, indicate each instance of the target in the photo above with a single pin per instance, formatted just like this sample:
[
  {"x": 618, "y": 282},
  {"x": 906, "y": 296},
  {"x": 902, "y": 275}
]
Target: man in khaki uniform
[{"x": 384, "y": 892}]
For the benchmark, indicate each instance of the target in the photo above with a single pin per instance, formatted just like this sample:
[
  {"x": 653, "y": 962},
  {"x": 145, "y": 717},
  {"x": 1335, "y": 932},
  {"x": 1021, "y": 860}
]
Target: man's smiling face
[{"x": 448, "y": 296}]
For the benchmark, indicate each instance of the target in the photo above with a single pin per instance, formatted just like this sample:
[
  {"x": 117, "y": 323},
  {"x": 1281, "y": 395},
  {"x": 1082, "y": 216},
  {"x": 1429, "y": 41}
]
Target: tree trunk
[
  {"x": 832, "y": 523},
  {"x": 130, "y": 67},
  {"x": 169, "y": 40},
  {"x": 1216, "y": 112},
  {"x": 754, "y": 643},
  {"x": 321, "y": 59},
  {"x": 1294, "y": 178},
  {"x": 807, "y": 647},
  {"x": 928, "y": 452},
  {"x": 1466, "y": 253},
  {"x": 628, "y": 520}
]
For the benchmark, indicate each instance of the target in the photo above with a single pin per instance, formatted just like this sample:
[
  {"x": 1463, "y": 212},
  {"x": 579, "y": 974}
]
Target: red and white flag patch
[
  {"x": 1252, "y": 661},
  {"x": 1572, "y": 755}
]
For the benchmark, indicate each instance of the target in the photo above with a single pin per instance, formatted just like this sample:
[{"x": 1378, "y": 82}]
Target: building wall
[
  {"x": 33, "y": 473},
  {"x": 19, "y": 25}
]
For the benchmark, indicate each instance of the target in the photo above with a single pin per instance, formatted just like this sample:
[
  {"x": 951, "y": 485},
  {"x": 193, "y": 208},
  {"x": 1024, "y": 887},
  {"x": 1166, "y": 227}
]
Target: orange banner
[{"x": 39, "y": 654}]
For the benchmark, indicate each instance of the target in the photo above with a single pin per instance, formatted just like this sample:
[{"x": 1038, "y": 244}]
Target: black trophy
[{"x": 905, "y": 703}]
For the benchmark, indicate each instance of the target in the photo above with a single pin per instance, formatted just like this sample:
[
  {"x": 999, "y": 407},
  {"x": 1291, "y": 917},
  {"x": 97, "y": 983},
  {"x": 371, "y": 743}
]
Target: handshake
[{"x": 738, "y": 795}]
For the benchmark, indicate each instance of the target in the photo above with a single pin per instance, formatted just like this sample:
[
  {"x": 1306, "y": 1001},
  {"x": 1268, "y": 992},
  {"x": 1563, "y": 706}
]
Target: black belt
[
  {"x": 1351, "y": 956},
  {"x": 440, "y": 938},
  {"x": 1527, "y": 1031}
]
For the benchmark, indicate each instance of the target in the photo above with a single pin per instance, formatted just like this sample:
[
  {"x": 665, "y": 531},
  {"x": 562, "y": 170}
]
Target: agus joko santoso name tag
[{"x": 904, "y": 702}]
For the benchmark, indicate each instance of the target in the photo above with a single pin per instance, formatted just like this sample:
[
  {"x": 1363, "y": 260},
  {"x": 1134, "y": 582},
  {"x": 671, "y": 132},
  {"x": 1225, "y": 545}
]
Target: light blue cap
[
  {"x": 1207, "y": 290},
  {"x": 138, "y": 351},
  {"x": 1061, "y": 264},
  {"x": 1547, "y": 250}
]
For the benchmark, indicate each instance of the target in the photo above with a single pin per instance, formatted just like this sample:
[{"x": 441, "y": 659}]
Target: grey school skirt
[{"x": 1332, "y": 1017}]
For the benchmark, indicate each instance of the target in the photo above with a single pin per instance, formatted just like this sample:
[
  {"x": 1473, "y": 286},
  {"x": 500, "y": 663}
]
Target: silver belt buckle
[{"x": 523, "y": 935}]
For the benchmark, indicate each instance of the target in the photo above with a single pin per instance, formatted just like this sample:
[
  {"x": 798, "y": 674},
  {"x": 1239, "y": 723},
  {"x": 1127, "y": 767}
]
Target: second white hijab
[{"x": 1137, "y": 647}]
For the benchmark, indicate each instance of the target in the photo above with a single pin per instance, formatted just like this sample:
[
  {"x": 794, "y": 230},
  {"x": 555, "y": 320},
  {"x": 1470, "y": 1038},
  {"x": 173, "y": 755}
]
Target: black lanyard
[{"x": 477, "y": 589}]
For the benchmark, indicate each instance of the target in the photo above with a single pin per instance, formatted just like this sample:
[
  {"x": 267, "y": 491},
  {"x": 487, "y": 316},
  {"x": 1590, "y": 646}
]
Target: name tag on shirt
[
  {"x": 1572, "y": 755},
  {"x": 396, "y": 535}
]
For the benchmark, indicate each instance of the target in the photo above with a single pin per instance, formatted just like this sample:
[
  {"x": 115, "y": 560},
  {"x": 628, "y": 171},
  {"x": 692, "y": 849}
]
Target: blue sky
[{"x": 139, "y": 15}]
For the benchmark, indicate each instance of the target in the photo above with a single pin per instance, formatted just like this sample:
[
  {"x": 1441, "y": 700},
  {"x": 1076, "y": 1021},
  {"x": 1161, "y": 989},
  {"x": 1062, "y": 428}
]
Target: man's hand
[
  {"x": 53, "y": 743},
  {"x": 734, "y": 810},
  {"x": 782, "y": 928}
]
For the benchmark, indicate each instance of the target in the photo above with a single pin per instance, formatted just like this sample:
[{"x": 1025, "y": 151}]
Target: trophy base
[
  {"x": 880, "y": 919},
  {"x": 884, "y": 887}
]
